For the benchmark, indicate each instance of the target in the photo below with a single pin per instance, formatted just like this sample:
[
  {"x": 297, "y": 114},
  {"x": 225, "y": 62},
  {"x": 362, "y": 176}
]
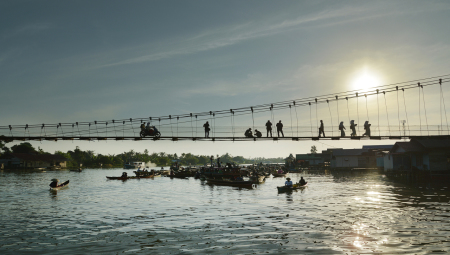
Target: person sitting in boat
[
  {"x": 54, "y": 183},
  {"x": 280, "y": 171},
  {"x": 258, "y": 134},
  {"x": 302, "y": 181},
  {"x": 288, "y": 183},
  {"x": 124, "y": 175},
  {"x": 248, "y": 133},
  {"x": 239, "y": 178}
]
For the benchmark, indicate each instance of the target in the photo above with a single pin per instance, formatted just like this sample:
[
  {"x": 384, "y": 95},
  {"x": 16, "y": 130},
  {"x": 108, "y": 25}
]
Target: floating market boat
[
  {"x": 294, "y": 187},
  {"x": 280, "y": 175},
  {"x": 228, "y": 182},
  {"x": 62, "y": 185},
  {"x": 129, "y": 177}
]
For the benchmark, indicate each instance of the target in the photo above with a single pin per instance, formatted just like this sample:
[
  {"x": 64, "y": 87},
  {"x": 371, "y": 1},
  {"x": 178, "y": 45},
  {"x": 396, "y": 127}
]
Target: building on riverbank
[
  {"x": 32, "y": 160},
  {"x": 419, "y": 155}
]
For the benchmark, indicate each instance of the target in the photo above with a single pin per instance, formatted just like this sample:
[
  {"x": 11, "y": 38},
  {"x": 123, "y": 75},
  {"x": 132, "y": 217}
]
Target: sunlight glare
[{"x": 365, "y": 80}]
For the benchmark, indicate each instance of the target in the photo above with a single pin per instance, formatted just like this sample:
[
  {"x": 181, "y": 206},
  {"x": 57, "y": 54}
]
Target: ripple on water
[{"x": 338, "y": 213}]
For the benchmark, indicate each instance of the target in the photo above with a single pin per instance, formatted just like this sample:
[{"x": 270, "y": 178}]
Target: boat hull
[
  {"x": 129, "y": 177},
  {"x": 242, "y": 184},
  {"x": 287, "y": 189}
]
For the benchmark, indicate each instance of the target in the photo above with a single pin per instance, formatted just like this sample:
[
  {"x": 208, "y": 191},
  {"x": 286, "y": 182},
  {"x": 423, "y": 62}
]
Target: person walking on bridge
[
  {"x": 321, "y": 129},
  {"x": 206, "y": 126},
  {"x": 280, "y": 128},
  {"x": 269, "y": 128},
  {"x": 341, "y": 127}
]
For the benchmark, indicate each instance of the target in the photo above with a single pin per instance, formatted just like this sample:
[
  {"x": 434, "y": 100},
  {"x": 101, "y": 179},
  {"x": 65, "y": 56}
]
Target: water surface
[{"x": 338, "y": 213}]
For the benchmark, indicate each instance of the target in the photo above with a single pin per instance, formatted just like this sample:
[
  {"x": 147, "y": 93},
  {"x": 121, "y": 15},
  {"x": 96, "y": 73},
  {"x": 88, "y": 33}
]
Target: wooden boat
[
  {"x": 227, "y": 182},
  {"x": 62, "y": 185},
  {"x": 128, "y": 177},
  {"x": 279, "y": 175},
  {"x": 76, "y": 170},
  {"x": 257, "y": 179},
  {"x": 294, "y": 187}
]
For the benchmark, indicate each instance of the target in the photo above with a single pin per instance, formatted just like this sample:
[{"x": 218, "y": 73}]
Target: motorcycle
[{"x": 150, "y": 132}]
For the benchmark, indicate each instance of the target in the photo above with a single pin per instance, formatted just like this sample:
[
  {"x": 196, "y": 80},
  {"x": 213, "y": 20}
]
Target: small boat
[
  {"x": 294, "y": 187},
  {"x": 279, "y": 175},
  {"x": 75, "y": 170},
  {"x": 227, "y": 182},
  {"x": 129, "y": 177},
  {"x": 257, "y": 179},
  {"x": 62, "y": 185}
]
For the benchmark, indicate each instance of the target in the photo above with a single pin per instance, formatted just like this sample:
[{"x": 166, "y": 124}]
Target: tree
[
  {"x": 23, "y": 148},
  {"x": 313, "y": 149}
]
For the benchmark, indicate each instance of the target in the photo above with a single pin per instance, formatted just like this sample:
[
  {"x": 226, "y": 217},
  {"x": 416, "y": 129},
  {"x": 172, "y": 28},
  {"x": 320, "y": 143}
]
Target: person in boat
[
  {"x": 280, "y": 128},
  {"x": 239, "y": 178},
  {"x": 206, "y": 126},
  {"x": 288, "y": 183},
  {"x": 54, "y": 183},
  {"x": 280, "y": 171},
  {"x": 258, "y": 134},
  {"x": 124, "y": 175},
  {"x": 248, "y": 133},
  {"x": 302, "y": 181},
  {"x": 269, "y": 128}
]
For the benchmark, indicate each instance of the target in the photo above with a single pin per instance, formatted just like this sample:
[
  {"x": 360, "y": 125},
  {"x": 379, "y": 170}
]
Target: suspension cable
[
  {"x": 378, "y": 107},
  {"x": 406, "y": 113},
  {"x": 310, "y": 118},
  {"x": 296, "y": 116},
  {"x": 290, "y": 113},
  {"x": 443, "y": 102},
  {"x": 398, "y": 113},
  {"x": 387, "y": 114},
  {"x": 357, "y": 111},
  {"x": 420, "y": 116},
  {"x": 329, "y": 109},
  {"x": 425, "y": 109}
]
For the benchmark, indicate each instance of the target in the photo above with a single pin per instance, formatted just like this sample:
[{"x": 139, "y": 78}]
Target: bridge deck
[{"x": 168, "y": 138}]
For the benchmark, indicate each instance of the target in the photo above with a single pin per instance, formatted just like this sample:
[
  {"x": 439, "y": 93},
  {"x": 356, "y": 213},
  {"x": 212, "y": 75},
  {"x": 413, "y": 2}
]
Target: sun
[{"x": 365, "y": 80}]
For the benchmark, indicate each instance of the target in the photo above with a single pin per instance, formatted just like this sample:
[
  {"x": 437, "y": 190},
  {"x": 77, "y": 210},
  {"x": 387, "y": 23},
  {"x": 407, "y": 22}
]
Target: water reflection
[{"x": 337, "y": 213}]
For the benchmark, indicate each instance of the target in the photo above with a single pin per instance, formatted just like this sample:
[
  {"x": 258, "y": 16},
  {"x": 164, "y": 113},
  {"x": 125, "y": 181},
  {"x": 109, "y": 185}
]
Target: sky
[{"x": 67, "y": 61}]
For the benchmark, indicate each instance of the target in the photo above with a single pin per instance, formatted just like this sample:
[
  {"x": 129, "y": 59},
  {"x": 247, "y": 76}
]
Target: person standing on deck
[
  {"x": 206, "y": 126},
  {"x": 269, "y": 128},
  {"x": 280, "y": 128},
  {"x": 321, "y": 129},
  {"x": 341, "y": 127}
]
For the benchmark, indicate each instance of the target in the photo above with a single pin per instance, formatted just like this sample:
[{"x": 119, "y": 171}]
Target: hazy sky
[{"x": 67, "y": 61}]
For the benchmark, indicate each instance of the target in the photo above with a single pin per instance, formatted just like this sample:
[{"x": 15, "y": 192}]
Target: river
[{"x": 338, "y": 213}]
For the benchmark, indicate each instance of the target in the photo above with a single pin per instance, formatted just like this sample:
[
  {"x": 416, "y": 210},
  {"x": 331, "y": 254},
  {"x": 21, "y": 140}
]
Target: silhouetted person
[
  {"x": 269, "y": 128},
  {"x": 258, "y": 134},
  {"x": 341, "y": 127},
  {"x": 248, "y": 133},
  {"x": 321, "y": 129},
  {"x": 353, "y": 127},
  {"x": 142, "y": 126},
  {"x": 54, "y": 183},
  {"x": 367, "y": 128},
  {"x": 206, "y": 126},
  {"x": 280, "y": 128},
  {"x": 302, "y": 181}
]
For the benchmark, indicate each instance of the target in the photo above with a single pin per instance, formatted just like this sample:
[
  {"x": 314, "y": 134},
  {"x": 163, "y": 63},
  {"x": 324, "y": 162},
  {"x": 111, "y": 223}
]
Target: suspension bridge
[{"x": 395, "y": 111}]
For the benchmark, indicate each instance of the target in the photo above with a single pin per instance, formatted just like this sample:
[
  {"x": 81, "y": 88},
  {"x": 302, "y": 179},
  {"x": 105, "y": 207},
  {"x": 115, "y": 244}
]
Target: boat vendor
[
  {"x": 302, "y": 181},
  {"x": 288, "y": 183},
  {"x": 124, "y": 175},
  {"x": 54, "y": 183}
]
